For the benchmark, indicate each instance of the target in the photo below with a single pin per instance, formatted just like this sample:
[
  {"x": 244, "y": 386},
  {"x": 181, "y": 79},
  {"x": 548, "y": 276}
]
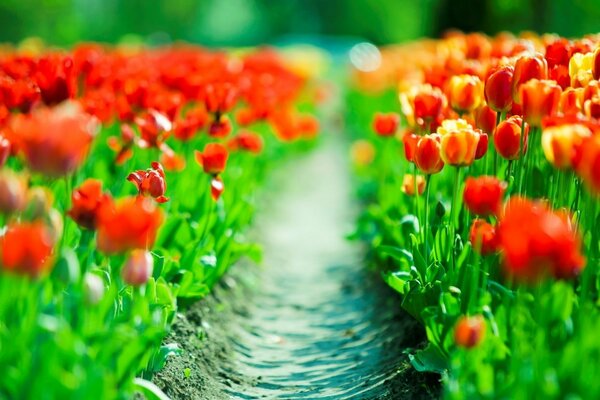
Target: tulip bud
[
  {"x": 408, "y": 184},
  {"x": 482, "y": 146},
  {"x": 469, "y": 331},
  {"x": 386, "y": 124},
  {"x": 483, "y": 237},
  {"x": 498, "y": 89},
  {"x": 507, "y": 138},
  {"x": 427, "y": 155},
  {"x": 13, "y": 192},
  {"x": 526, "y": 68},
  {"x": 216, "y": 188},
  {"x": 93, "y": 288},
  {"x": 138, "y": 268},
  {"x": 410, "y": 145},
  {"x": 465, "y": 93},
  {"x": 485, "y": 119},
  {"x": 539, "y": 99}
]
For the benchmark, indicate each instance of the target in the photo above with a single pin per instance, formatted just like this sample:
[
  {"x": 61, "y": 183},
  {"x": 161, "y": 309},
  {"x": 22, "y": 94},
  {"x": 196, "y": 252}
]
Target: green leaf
[
  {"x": 67, "y": 268},
  {"x": 430, "y": 359},
  {"x": 149, "y": 390}
]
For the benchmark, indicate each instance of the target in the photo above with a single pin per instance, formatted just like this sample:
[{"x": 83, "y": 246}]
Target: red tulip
[
  {"x": 220, "y": 128},
  {"x": 507, "y": 138},
  {"x": 526, "y": 68},
  {"x": 150, "y": 182},
  {"x": 213, "y": 159},
  {"x": 428, "y": 154},
  {"x": 498, "y": 89},
  {"x": 247, "y": 141},
  {"x": 216, "y": 188},
  {"x": 536, "y": 242},
  {"x": 386, "y": 124},
  {"x": 483, "y": 237},
  {"x": 483, "y": 195},
  {"x": 26, "y": 249},
  {"x": 410, "y": 140},
  {"x": 131, "y": 223},
  {"x": 539, "y": 99},
  {"x": 86, "y": 203}
]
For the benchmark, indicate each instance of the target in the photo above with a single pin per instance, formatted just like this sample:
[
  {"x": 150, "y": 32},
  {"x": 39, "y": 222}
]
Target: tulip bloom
[
  {"x": 428, "y": 106},
  {"x": 459, "y": 142},
  {"x": 465, "y": 93},
  {"x": 410, "y": 140},
  {"x": 580, "y": 69},
  {"x": 220, "y": 128},
  {"x": 507, "y": 138},
  {"x": 26, "y": 248},
  {"x": 428, "y": 158},
  {"x": 213, "y": 159},
  {"x": 485, "y": 119},
  {"x": 138, "y": 268},
  {"x": 562, "y": 144},
  {"x": 386, "y": 124},
  {"x": 498, "y": 89},
  {"x": 408, "y": 184},
  {"x": 86, "y": 202},
  {"x": 483, "y": 237},
  {"x": 536, "y": 242},
  {"x": 150, "y": 182},
  {"x": 13, "y": 192},
  {"x": 539, "y": 99},
  {"x": 131, "y": 223},
  {"x": 526, "y": 68},
  {"x": 469, "y": 331},
  {"x": 56, "y": 141},
  {"x": 362, "y": 153},
  {"x": 571, "y": 101},
  {"x": 483, "y": 195},
  {"x": 596, "y": 64},
  {"x": 220, "y": 97}
]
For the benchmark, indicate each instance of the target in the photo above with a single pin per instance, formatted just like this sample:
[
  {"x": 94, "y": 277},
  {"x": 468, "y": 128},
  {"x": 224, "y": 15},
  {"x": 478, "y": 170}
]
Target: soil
[{"x": 311, "y": 322}]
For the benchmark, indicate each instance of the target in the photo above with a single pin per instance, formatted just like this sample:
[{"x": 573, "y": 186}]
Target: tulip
[
  {"x": 42, "y": 138},
  {"x": 5, "y": 150},
  {"x": 507, "y": 138},
  {"x": 428, "y": 106},
  {"x": 150, "y": 182},
  {"x": 86, "y": 202},
  {"x": 536, "y": 242},
  {"x": 526, "y": 68},
  {"x": 248, "y": 141},
  {"x": 482, "y": 146},
  {"x": 587, "y": 165},
  {"x": 138, "y": 268},
  {"x": 571, "y": 101},
  {"x": 93, "y": 288},
  {"x": 131, "y": 223},
  {"x": 469, "y": 331},
  {"x": 562, "y": 144},
  {"x": 186, "y": 128},
  {"x": 427, "y": 155},
  {"x": 465, "y": 93},
  {"x": 362, "y": 153},
  {"x": 13, "y": 192},
  {"x": 539, "y": 99},
  {"x": 154, "y": 128},
  {"x": 220, "y": 97},
  {"x": 408, "y": 184},
  {"x": 220, "y": 128},
  {"x": 386, "y": 124},
  {"x": 580, "y": 69},
  {"x": 483, "y": 237},
  {"x": 213, "y": 159},
  {"x": 483, "y": 195},
  {"x": 498, "y": 89},
  {"x": 55, "y": 78},
  {"x": 459, "y": 142},
  {"x": 216, "y": 188},
  {"x": 559, "y": 53},
  {"x": 485, "y": 119},
  {"x": 410, "y": 140},
  {"x": 596, "y": 64},
  {"x": 26, "y": 249}
]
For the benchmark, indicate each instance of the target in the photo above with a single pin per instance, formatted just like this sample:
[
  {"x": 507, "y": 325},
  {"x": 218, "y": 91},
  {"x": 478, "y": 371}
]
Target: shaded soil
[{"x": 311, "y": 323}]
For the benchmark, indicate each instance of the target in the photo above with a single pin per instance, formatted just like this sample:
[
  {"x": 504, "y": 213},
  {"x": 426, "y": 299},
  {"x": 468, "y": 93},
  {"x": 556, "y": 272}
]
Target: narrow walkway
[{"x": 318, "y": 325}]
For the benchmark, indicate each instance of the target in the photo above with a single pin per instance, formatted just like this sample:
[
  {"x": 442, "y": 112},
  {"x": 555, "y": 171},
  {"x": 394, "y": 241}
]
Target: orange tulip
[
  {"x": 562, "y": 144},
  {"x": 469, "y": 331},
  {"x": 465, "y": 93},
  {"x": 483, "y": 237},
  {"x": 539, "y": 99},
  {"x": 408, "y": 184},
  {"x": 459, "y": 142},
  {"x": 213, "y": 159}
]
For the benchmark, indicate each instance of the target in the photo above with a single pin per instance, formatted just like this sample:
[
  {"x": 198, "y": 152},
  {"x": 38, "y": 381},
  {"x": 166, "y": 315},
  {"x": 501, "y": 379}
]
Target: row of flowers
[
  {"x": 500, "y": 136},
  {"x": 127, "y": 179}
]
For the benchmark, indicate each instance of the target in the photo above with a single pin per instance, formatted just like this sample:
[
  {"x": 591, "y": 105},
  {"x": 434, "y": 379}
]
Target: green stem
[
  {"x": 426, "y": 219},
  {"x": 453, "y": 214}
]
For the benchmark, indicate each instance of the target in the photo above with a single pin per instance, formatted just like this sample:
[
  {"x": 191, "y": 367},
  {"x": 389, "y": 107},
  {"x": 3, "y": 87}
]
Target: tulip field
[{"x": 132, "y": 176}]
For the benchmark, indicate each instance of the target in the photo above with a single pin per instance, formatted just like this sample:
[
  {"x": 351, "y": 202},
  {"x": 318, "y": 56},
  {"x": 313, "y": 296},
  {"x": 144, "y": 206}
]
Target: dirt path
[{"x": 312, "y": 323}]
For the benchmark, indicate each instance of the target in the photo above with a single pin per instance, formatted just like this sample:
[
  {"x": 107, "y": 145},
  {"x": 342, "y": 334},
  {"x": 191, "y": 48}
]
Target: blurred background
[{"x": 248, "y": 22}]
